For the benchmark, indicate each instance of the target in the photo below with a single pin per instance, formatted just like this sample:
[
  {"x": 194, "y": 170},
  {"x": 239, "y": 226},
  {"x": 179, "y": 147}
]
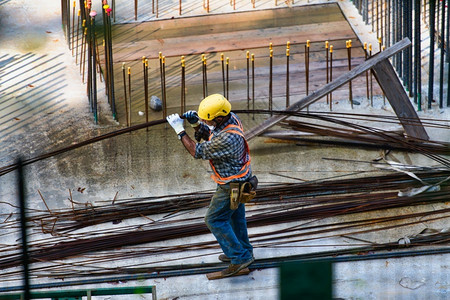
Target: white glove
[{"x": 176, "y": 122}]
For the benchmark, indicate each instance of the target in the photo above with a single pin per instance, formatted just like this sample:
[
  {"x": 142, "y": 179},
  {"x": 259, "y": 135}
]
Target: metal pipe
[
  {"x": 94, "y": 67},
  {"x": 287, "y": 73},
  {"x": 164, "y": 87},
  {"x": 23, "y": 229},
  {"x": 99, "y": 65},
  {"x": 432, "y": 12},
  {"x": 442, "y": 45},
  {"x": 113, "y": 9},
  {"x": 258, "y": 264},
  {"x": 247, "y": 55},
  {"x": 270, "y": 76},
  {"x": 111, "y": 69},
  {"x": 73, "y": 26},
  {"x": 367, "y": 72},
  {"x": 135, "y": 9},
  {"x": 83, "y": 54},
  {"x": 371, "y": 78},
  {"x": 307, "y": 66},
  {"x": 348, "y": 44},
  {"x": 183, "y": 85},
  {"x": 253, "y": 84},
  {"x": 448, "y": 54},
  {"x": 78, "y": 36},
  {"x": 228, "y": 78},
  {"x": 125, "y": 93},
  {"x": 417, "y": 56},
  {"x": 388, "y": 24},
  {"x": 205, "y": 78},
  {"x": 161, "y": 78},
  {"x": 129, "y": 93},
  {"x": 146, "y": 90},
  {"x": 89, "y": 63},
  {"x": 326, "y": 67},
  {"x": 223, "y": 74},
  {"x": 331, "y": 75}
]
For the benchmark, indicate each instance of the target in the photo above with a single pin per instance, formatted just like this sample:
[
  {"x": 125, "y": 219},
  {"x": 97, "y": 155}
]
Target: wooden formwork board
[{"x": 235, "y": 34}]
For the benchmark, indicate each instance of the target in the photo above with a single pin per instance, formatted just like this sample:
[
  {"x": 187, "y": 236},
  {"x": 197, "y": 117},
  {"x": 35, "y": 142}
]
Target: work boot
[
  {"x": 234, "y": 269},
  {"x": 224, "y": 258}
]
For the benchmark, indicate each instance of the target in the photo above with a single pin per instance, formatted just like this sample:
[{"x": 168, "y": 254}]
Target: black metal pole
[
  {"x": 183, "y": 83},
  {"x": 388, "y": 23},
  {"x": 253, "y": 84},
  {"x": 327, "y": 59},
  {"x": 145, "y": 73},
  {"x": 270, "y": 79},
  {"x": 164, "y": 87},
  {"x": 125, "y": 93},
  {"x": 287, "y": 73},
  {"x": 223, "y": 74},
  {"x": 228, "y": 78},
  {"x": 367, "y": 73},
  {"x": 89, "y": 63},
  {"x": 409, "y": 50},
  {"x": 73, "y": 27},
  {"x": 417, "y": 56},
  {"x": 432, "y": 13},
  {"x": 331, "y": 76},
  {"x": 93, "y": 71},
  {"x": 111, "y": 69},
  {"x": 248, "y": 79},
  {"x": 349, "y": 57},
  {"x": 448, "y": 54},
  {"x": 204, "y": 76},
  {"x": 442, "y": 45},
  {"x": 23, "y": 227},
  {"x": 161, "y": 77}
]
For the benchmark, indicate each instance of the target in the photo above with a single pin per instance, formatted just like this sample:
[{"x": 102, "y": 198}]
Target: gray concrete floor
[{"x": 43, "y": 107}]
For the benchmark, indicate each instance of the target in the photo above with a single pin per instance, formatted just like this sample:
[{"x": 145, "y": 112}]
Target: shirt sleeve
[
  {"x": 221, "y": 147},
  {"x": 202, "y": 133}
]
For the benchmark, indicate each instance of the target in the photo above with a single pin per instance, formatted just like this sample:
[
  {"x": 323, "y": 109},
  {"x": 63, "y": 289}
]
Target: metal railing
[{"x": 392, "y": 20}]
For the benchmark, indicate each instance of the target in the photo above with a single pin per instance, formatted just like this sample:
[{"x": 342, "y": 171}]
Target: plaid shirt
[{"x": 225, "y": 150}]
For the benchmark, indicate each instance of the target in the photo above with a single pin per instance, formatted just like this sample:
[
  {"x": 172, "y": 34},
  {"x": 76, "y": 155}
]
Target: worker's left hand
[
  {"x": 176, "y": 122},
  {"x": 192, "y": 118}
]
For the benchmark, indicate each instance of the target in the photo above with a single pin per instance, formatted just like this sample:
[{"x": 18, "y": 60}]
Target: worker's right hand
[
  {"x": 192, "y": 118},
  {"x": 176, "y": 122}
]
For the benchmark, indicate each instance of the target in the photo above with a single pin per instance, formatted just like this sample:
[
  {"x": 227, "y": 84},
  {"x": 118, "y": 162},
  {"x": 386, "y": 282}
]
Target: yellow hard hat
[{"x": 213, "y": 106}]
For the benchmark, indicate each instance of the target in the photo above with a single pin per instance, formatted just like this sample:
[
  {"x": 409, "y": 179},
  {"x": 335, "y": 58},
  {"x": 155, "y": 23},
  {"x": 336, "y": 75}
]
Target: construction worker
[{"x": 227, "y": 151}]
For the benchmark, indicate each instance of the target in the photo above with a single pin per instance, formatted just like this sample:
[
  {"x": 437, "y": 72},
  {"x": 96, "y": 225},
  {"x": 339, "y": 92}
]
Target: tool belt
[{"x": 242, "y": 192}]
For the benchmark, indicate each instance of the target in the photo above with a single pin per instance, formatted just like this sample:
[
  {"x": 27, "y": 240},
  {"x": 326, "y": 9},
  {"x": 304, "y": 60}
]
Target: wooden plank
[
  {"x": 340, "y": 81},
  {"x": 218, "y": 275},
  {"x": 231, "y": 41},
  {"x": 236, "y": 21},
  {"x": 399, "y": 100}
]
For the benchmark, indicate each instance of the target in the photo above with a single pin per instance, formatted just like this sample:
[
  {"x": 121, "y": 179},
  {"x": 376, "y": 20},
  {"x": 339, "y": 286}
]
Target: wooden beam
[
  {"x": 399, "y": 100},
  {"x": 340, "y": 81}
]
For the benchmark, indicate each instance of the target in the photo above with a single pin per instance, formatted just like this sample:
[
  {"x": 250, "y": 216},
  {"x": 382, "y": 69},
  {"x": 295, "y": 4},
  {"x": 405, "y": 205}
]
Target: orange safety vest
[{"x": 237, "y": 129}]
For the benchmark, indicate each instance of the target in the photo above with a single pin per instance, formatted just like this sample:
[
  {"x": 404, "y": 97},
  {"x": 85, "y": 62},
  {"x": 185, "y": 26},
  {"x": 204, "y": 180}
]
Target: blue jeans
[{"x": 229, "y": 226}]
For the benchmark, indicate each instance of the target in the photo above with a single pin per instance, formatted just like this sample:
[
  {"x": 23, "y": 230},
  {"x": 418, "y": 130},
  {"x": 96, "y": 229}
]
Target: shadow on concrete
[{"x": 29, "y": 91}]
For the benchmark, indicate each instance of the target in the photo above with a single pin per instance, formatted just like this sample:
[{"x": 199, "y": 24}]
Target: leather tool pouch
[
  {"x": 242, "y": 192},
  {"x": 234, "y": 195},
  {"x": 246, "y": 193}
]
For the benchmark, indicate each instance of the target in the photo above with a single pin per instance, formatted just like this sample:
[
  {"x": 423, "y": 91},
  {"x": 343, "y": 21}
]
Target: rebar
[
  {"x": 287, "y": 73},
  {"x": 125, "y": 94}
]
